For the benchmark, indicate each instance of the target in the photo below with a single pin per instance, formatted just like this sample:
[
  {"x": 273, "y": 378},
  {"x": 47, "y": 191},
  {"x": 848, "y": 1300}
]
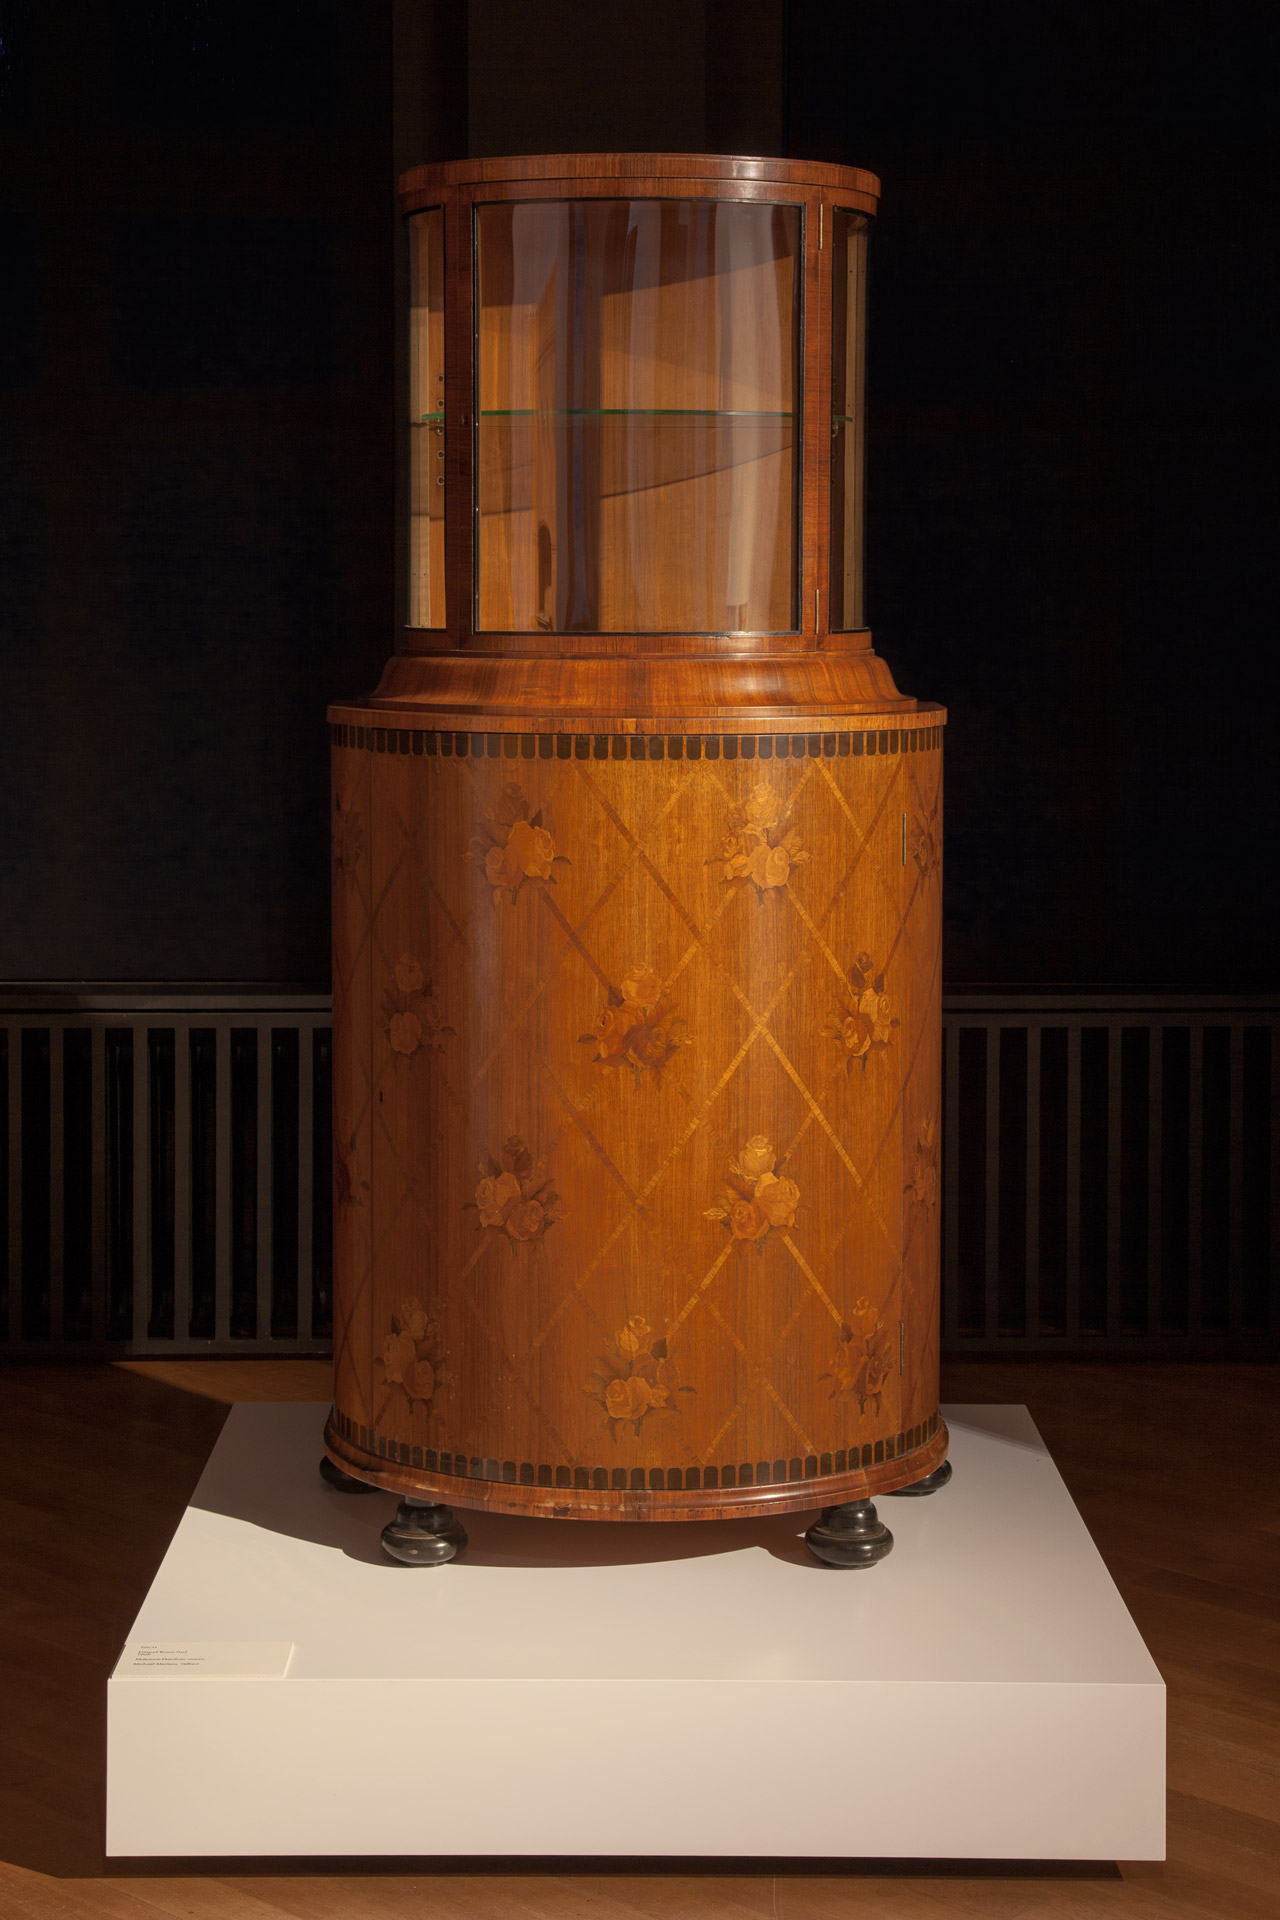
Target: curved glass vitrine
[{"x": 636, "y": 402}]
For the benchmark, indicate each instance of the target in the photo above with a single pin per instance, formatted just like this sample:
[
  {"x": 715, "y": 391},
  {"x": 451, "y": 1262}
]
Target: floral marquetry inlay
[
  {"x": 514, "y": 846},
  {"x": 863, "y": 1359},
  {"x": 349, "y": 1184},
  {"x": 506, "y": 988},
  {"x": 638, "y": 1027},
  {"x": 922, "y": 1188},
  {"x": 410, "y": 1016},
  {"x": 755, "y": 1198},
  {"x": 412, "y": 1360},
  {"x": 515, "y": 1197},
  {"x": 635, "y": 1377},
  {"x": 760, "y": 848},
  {"x": 864, "y": 1019}
]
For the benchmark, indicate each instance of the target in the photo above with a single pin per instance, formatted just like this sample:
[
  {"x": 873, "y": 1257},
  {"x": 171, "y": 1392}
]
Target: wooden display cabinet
[{"x": 637, "y": 872}]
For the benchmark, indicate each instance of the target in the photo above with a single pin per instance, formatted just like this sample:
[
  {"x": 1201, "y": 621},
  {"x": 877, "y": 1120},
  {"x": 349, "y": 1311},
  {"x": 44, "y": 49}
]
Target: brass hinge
[{"x": 819, "y": 226}]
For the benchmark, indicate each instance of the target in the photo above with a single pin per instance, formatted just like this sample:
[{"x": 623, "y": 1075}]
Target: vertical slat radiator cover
[
  {"x": 1128, "y": 1203},
  {"x": 151, "y": 1154}
]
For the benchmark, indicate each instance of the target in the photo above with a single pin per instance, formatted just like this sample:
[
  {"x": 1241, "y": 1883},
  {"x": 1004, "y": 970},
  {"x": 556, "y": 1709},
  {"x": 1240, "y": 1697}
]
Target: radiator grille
[
  {"x": 1110, "y": 1171},
  {"x": 168, "y": 1176},
  {"x": 1109, "y": 1175}
]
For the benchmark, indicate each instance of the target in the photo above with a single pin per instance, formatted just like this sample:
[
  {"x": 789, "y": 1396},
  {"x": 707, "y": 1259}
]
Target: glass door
[{"x": 637, "y": 416}]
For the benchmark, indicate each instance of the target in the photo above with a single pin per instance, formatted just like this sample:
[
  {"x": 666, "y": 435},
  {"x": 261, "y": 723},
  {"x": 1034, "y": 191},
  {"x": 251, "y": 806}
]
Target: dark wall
[
  {"x": 1072, "y": 503},
  {"x": 1071, "y": 432},
  {"x": 196, "y": 472}
]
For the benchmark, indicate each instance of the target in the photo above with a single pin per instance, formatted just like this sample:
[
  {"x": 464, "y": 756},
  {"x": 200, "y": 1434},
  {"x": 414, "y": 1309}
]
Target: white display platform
[{"x": 580, "y": 1688}]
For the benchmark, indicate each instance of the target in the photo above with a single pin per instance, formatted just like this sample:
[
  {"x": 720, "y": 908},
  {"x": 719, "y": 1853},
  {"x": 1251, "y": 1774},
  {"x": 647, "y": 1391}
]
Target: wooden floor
[{"x": 1174, "y": 1469}]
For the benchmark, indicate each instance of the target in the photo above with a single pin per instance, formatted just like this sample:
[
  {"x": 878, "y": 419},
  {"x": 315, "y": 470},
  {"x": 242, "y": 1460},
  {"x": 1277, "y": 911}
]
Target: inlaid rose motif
[
  {"x": 514, "y": 1198},
  {"x": 348, "y": 1190},
  {"x": 864, "y": 1021},
  {"x": 642, "y": 987},
  {"x": 777, "y": 1199},
  {"x": 634, "y": 1377},
  {"x": 527, "y": 1219},
  {"x": 757, "y": 1157},
  {"x": 863, "y": 1358},
  {"x": 747, "y": 1220},
  {"x": 628, "y": 1399},
  {"x": 756, "y": 1198},
  {"x": 410, "y": 1016},
  {"x": 412, "y": 1358},
  {"x": 923, "y": 1185},
  {"x": 496, "y": 1197},
  {"x": 638, "y": 1027},
  {"x": 759, "y": 848},
  {"x": 514, "y": 847}
]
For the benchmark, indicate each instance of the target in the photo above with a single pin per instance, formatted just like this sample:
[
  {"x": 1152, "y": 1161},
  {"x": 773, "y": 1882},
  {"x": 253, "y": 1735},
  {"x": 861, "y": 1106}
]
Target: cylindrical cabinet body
[{"x": 637, "y": 877}]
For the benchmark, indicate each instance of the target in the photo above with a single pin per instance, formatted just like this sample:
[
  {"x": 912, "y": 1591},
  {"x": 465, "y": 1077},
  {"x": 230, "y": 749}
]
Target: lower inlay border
[
  {"x": 760, "y": 1473},
  {"x": 637, "y": 746}
]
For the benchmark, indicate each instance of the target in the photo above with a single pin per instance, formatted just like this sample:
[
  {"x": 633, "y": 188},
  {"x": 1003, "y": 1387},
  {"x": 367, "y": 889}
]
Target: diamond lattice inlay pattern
[{"x": 636, "y": 1109}]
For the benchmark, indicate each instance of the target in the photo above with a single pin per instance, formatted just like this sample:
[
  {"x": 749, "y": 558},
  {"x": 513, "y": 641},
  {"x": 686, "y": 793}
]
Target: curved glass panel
[
  {"x": 426, "y": 418},
  {"x": 638, "y": 384},
  {"x": 848, "y": 338}
]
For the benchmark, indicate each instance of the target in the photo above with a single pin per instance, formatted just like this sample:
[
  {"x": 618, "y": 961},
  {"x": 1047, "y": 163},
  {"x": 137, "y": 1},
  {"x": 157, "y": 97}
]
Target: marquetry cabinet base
[{"x": 636, "y": 1065}]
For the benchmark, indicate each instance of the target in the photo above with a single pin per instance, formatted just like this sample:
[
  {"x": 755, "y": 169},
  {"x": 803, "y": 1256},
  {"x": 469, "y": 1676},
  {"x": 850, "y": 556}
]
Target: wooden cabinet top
[
  {"x": 636, "y": 407},
  {"x": 419, "y": 184}
]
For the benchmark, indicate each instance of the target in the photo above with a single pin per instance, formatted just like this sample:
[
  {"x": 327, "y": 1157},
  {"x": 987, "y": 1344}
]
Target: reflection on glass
[
  {"x": 637, "y": 416},
  {"x": 426, "y": 419},
  {"x": 848, "y": 330}
]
